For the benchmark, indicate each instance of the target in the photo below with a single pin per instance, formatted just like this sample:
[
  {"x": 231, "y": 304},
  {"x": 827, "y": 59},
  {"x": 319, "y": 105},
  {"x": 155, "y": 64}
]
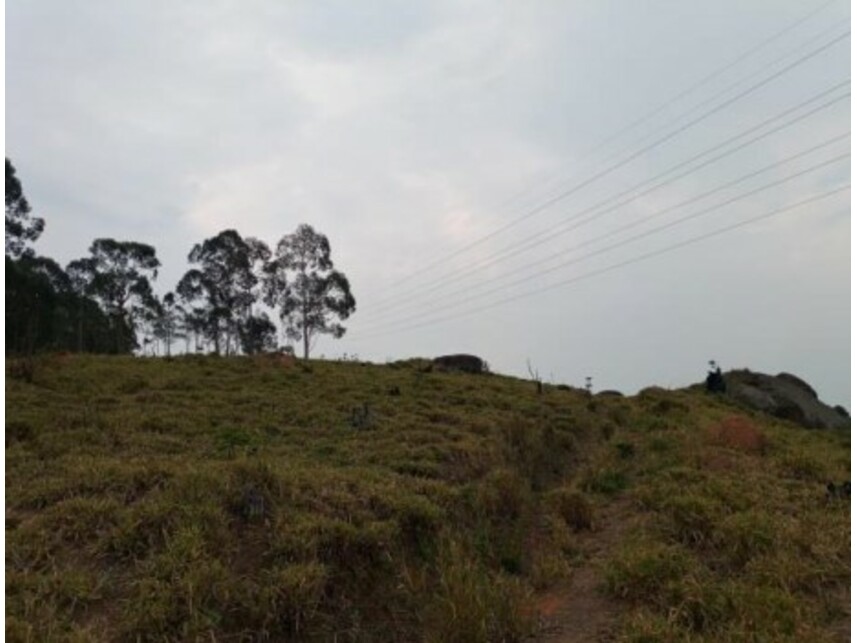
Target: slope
[{"x": 206, "y": 498}]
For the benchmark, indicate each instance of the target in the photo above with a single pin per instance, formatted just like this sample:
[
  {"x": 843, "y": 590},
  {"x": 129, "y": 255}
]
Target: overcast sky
[{"x": 408, "y": 132}]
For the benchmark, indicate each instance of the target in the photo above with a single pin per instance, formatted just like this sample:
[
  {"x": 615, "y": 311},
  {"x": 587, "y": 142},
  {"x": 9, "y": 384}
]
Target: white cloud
[{"x": 404, "y": 130}]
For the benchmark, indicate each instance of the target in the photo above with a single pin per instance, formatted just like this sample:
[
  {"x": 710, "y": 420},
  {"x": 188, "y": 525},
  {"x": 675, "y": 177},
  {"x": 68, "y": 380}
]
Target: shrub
[
  {"x": 692, "y": 518},
  {"x": 231, "y": 441},
  {"x": 626, "y": 450},
  {"x": 643, "y": 571},
  {"x": 606, "y": 481},
  {"x": 804, "y": 466},
  {"x": 419, "y": 521},
  {"x": 18, "y": 431},
  {"x": 472, "y": 604},
  {"x": 574, "y": 507},
  {"x": 738, "y": 433},
  {"x": 743, "y": 536},
  {"x": 504, "y": 496}
]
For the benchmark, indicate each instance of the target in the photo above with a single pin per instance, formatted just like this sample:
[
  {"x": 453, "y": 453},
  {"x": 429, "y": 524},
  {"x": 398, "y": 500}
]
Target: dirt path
[{"x": 576, "y": 610}]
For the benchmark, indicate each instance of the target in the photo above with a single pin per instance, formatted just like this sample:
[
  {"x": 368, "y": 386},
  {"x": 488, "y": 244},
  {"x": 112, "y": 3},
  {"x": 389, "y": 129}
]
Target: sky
[{"x": 566, "y": 185}]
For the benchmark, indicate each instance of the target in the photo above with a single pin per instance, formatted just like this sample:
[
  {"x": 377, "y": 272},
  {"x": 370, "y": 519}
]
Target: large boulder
[
  {"x": 461, "y": 363},
  {"x": 784, "y": 396}
]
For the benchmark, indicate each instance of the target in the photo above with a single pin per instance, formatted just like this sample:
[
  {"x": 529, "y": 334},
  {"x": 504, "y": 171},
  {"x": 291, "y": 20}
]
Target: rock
[
  {"x": 796, "y": 381},
  {"x": 784, "y": 396},
  {"x": 609, "y": 393},
  {"x": 461, "y": 363}
]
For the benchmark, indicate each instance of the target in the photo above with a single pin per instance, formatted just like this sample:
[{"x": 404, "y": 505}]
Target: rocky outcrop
[
  {"x": 784, "y": 396},
  {"x": 461, "y": 363}
]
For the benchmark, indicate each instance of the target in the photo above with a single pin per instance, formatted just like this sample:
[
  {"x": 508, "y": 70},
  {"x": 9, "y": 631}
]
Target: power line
[
  {"x": 634, "y": 155},
  {"x": 738, "y": 83},
  {"x": 690, "y": 89},
  {"x": 637, "y": 223},
  {"x": 565, "y": 226},
  {"x": 684, "y": 219},
  {"x": 613, "y": 267}
]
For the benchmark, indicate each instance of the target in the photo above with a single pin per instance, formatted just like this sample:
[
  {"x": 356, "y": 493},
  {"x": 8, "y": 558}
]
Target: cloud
[{"x": 406, "y": 130}]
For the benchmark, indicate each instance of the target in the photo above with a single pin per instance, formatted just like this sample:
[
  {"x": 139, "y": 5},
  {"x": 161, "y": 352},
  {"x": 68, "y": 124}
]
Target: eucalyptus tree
[
  {"x": 118, "y": 274},
  {"x": 167, "y": 321},
  {"x": 21, "y": 228},
  {"x": 257, "y": 334},
  {"x": 301, "y": 283},
  {"x": 224, "y": 284}
]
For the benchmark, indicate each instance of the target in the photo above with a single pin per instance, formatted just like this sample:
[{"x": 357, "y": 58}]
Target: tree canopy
[
  {"x": 21, "y": 228},
  {"x": 303, "y": 286},
  {"x": 105, "y": 302},
  {"x": 225, "y": 283},
  {"x": 118, "y": 274},
  {"x": 46, "y": 307}
]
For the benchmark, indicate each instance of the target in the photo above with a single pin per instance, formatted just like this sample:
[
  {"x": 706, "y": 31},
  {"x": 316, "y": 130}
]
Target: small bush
[
  {"x": 285, "y": 599},
  {"x": 504, "y": 496},
  {"x": 626, "y": 450},
  {"x": 606, "y": 481},
  {"x": 419, "y": 522},
  {"x": 253, "y": 492},
  {"x": 231, "y": 441},
  {"x": 644, "y": 571},
  {"x": 804, "y": 466},
  {"x": 743, "y": 536},
  {"x": 692, "y": 518},
  {"x": 472, "y": 604},
  {"x": 738, "y": 433},
  {"x": 574, "y": 507},
  {"x": 18, "y": 431}
]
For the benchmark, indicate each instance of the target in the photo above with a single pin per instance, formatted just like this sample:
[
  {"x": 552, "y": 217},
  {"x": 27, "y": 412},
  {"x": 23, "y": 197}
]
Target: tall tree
[
  {"x": 303, "y": 285},
  {"x": 167, "y": 318},
  {"x": 118, "y": 274},
  {"x": 225, "y": 281},
  {"x": 46, "y": 307},
  {"x": 21, "y": 228},
  {"x": 44, "y": 311}
]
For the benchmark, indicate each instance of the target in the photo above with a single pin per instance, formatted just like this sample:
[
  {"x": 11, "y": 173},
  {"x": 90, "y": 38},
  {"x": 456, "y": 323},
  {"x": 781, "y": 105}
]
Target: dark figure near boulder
[
  {"x": 835, "y": 492},
  {"x": 461, "y": 363},
  {"x": 715, "y": 383}
]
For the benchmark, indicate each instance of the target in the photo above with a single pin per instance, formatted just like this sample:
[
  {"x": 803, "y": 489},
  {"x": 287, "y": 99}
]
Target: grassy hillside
[{"x": 243, "y": 499}]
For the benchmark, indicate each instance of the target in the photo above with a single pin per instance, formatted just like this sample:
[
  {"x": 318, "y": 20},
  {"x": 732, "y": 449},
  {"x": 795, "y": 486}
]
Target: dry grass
[{"x": 205, "y": 498}]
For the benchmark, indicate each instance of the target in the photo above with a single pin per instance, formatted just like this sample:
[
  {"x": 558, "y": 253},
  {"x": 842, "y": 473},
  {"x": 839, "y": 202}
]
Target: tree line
[{"x": 105, "y": 302}]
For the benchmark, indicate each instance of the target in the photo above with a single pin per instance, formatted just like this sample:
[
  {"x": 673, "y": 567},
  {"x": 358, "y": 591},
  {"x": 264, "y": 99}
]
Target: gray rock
[
  {"x": 784, "y": 396},
  {"x": 461, "y": 363}
]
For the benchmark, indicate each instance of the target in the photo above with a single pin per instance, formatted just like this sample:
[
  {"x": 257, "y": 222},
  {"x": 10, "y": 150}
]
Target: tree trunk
[
  {"x": 305, "y": 329},
  {"x": 80, "y": 328}
]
